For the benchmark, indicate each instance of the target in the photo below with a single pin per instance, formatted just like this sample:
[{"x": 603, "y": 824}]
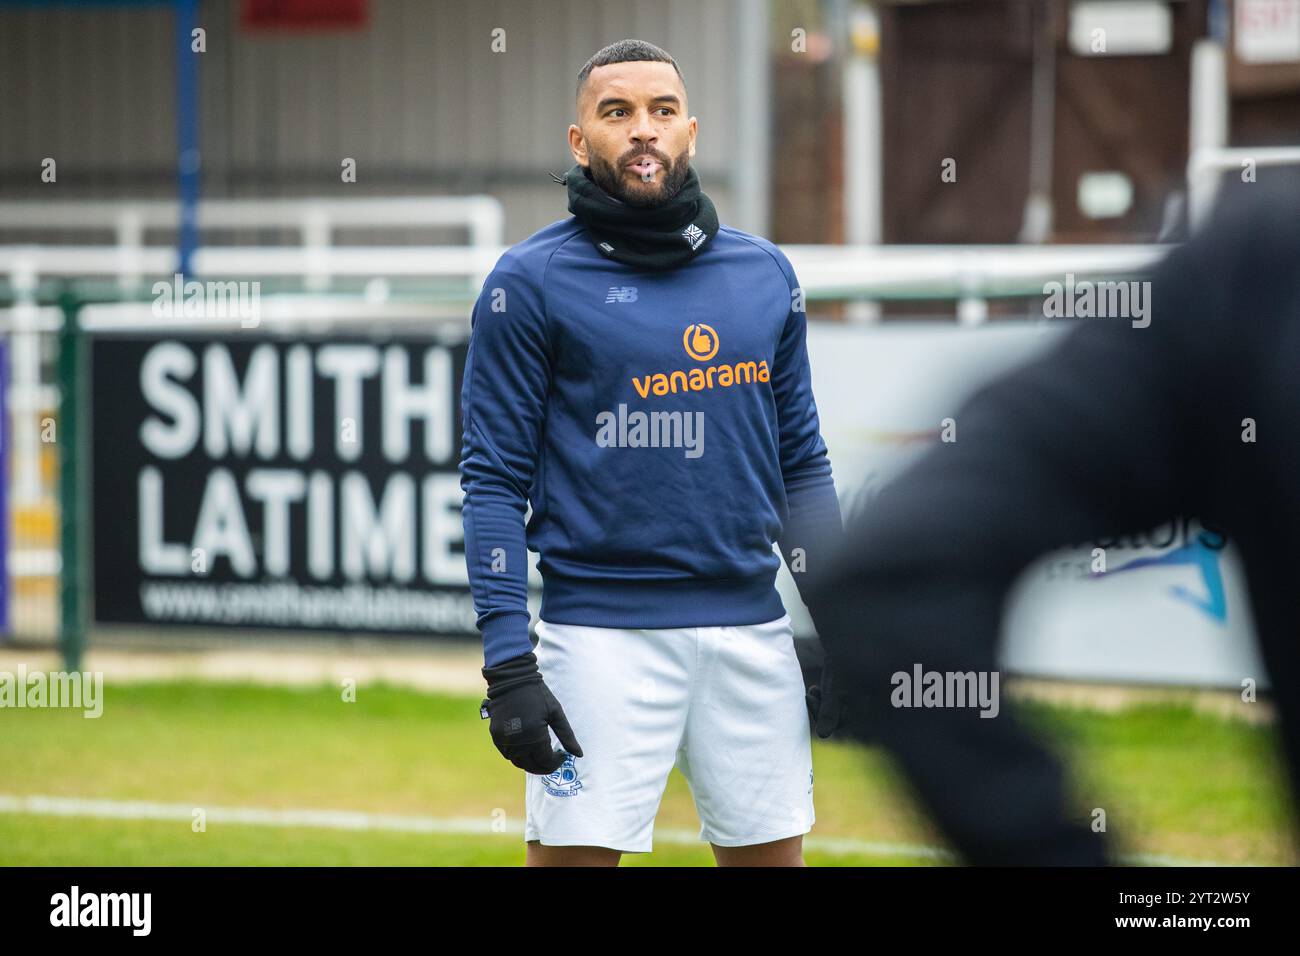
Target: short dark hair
[{"x": 626, "y": 51}]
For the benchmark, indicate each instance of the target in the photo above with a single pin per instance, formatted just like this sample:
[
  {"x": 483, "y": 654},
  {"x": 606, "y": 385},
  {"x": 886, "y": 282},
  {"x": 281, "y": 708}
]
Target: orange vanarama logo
[{"x": 701, "y": 344}]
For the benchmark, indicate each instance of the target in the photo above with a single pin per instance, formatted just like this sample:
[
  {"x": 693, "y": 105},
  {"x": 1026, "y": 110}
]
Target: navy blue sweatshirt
[{"x": 661, "y": 425}]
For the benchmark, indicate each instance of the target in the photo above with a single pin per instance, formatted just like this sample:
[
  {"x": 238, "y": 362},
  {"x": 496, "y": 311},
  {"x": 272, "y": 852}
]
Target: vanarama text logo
[{"x": 701, "y": 344}]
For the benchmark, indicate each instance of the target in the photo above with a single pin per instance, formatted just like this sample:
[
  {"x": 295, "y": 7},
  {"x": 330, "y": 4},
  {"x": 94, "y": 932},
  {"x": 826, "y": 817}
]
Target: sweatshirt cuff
[{"x": 504, "y": 637}]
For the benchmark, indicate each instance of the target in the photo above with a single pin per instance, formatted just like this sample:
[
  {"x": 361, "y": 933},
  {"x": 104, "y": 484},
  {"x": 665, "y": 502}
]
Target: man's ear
[{"x": 578, "y": 145}]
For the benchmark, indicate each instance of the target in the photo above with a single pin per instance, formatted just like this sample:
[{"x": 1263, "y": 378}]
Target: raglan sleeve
[
  {"x": 813, "y": 528},
  {"x": 503, "y": 403}
]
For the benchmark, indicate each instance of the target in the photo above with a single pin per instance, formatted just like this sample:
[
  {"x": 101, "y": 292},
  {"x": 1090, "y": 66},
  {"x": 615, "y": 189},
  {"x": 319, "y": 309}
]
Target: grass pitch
[{"x": 1176, "y": 784}]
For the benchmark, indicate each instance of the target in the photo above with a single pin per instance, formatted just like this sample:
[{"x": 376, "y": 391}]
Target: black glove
[
  {"x": 521, "y": 708},
  {"x": 825, "y": 700}
]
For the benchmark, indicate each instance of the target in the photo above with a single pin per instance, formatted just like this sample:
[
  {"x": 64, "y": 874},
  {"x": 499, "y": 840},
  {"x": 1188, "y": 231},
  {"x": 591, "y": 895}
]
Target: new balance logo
[
  {"x": 693, "y": 235},
  {"x": 625, "y": 293}
]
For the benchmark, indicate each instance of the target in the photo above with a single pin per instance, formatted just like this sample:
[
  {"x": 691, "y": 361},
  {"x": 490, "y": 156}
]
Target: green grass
[
  {"x": 51, "y": 841},
  {"x": 1172, "y": 781}
]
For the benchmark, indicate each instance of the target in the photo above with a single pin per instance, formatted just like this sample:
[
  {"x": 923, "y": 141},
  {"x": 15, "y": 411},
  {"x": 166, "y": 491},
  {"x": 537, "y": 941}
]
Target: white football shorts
[{"x": 725, "y": 704}]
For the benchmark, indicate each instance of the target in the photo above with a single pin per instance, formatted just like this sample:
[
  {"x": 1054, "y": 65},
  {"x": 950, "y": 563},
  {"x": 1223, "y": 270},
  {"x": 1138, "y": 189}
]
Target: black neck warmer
[{"x": 658, "y": 237}]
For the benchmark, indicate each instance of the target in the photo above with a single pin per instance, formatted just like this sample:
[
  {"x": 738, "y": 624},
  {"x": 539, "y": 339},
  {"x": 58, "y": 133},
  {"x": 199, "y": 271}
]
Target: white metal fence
[
  {"x": 1207, "y": 165},
  {"x": 316, "y": 221}
]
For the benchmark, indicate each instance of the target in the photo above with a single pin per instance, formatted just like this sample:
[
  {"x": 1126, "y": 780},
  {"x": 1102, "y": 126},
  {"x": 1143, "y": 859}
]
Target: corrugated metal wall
[{"x": 418, "y": 98}]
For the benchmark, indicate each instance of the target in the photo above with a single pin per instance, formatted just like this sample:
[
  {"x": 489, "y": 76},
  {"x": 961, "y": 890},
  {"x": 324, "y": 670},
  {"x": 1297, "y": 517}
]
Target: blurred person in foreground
[{"x": 1117, "y": 429}]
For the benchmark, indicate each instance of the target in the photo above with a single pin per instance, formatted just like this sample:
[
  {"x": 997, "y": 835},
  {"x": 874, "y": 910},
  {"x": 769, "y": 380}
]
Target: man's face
[{"x": 634, "y": 136}]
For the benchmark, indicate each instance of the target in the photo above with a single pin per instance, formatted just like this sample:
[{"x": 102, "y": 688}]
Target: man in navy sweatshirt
[{"x": 637, "y": 374}]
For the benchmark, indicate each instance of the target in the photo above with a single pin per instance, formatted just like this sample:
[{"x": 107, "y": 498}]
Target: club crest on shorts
[{"x": 563, "y": 782}]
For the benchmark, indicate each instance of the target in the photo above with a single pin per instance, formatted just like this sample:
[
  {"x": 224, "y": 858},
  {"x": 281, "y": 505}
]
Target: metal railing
[
  {"x": 1206, "y": 165},
  {"x": 315, "y": 219}
]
